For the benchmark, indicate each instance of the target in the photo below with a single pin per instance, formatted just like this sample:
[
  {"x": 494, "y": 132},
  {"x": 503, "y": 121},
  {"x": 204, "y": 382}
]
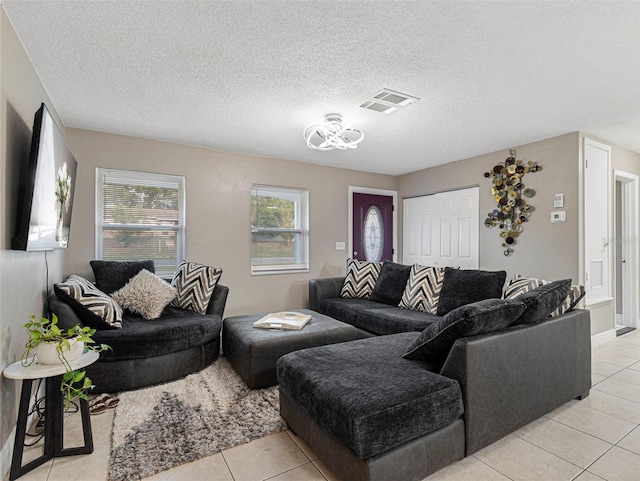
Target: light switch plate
[
  {"x": 558, "y": 201},
  {"x": 340, "y": 246}
]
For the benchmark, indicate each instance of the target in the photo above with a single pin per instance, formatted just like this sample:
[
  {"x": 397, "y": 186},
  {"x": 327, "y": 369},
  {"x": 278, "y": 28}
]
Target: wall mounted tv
[{"x": 45, "y": 193}]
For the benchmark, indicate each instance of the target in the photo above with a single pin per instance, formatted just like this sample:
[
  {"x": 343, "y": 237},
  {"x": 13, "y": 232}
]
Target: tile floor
[{"x": 591, "y": 440}]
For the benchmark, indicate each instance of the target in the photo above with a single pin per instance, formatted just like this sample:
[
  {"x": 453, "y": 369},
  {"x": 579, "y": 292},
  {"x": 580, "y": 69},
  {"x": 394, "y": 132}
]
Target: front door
[{"x": 372, "y": 227}]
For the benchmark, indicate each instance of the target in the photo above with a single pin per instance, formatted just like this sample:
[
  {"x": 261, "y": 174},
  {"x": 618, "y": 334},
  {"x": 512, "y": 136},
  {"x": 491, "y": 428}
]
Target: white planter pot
[{"x": 47, "y": 353}]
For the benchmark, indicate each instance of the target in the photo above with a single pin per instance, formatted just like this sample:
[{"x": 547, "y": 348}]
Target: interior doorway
[{"x": 626, "y": 251}]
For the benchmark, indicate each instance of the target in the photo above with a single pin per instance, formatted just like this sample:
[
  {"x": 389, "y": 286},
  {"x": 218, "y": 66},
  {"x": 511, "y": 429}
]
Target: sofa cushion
[
  {"x": 392, "y": 320},
  {"x": 422, "y": 292},
  {"x": 346, "y": 310},
  {"x": 194, "y": 284},
  {"x": 391, "y": 283},
  {"x": 113, "y": 275},
  {"x": 469, "y": 320},
  {"x": 93, "y": 307},
  {"x": 520, "y": 284},
  {"x": 175, "y": 330},
  {"x": 360, "y": 279},
  {"x": 145, "y": 294},
  {"x": 367, "y": 396},
  {"x": 543, "y": 300},
  {"x": 461, "y": 287}
]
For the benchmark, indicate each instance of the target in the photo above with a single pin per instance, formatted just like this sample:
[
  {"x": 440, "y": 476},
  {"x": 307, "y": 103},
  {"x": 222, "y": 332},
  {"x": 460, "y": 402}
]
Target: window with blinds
[
  {"x": 279, "y": 230},
  {"x": 140, "y": 216}
]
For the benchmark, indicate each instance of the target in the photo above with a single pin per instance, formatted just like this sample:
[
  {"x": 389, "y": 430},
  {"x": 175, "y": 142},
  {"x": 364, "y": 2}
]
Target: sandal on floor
[
  {"x": 111, "y": 401},
  {"x": 97, "y": 408},
  {"x": 100, "y": 398}
]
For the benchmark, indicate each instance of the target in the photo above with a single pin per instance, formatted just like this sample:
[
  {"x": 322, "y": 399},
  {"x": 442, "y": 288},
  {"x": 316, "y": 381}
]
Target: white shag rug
[{"x": 164, "y": 426}]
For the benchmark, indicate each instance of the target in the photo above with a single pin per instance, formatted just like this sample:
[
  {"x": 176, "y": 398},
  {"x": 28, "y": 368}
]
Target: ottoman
[{"x": 253, "y": 352}]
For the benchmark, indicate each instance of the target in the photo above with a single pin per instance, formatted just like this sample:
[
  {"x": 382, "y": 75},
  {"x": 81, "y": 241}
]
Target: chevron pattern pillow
[
  {"x": 521, "y": 284},
  {"x": 194, "y": 284},
  {"x": 423, "y": 289},
  {"x": 360, "y": 280},
  {"x": 95, "y": 308}
]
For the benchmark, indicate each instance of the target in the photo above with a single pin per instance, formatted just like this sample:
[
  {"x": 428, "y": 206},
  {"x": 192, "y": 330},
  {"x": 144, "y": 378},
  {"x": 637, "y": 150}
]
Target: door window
[{"x": 373, "y": 235}]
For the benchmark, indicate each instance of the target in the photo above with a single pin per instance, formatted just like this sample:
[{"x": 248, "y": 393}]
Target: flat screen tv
[{"x": 45, "y": 193}]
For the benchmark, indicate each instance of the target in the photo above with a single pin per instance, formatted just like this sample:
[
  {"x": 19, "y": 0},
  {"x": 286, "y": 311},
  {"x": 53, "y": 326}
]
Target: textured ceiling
[{"x": 249, "y": 76}]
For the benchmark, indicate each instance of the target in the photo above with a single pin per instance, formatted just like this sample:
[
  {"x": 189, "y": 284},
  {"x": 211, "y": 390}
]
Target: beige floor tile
[
  {"x": 635, "y": 367},
  {"x": 39, "y": 474},
  {"x": 617, "y": 465},
  {"x": 590, "y": 421},
  {"x": 564, "y": 441},
  {"x": 604, "y": 368},
  {"x": 271, "y": 455},
  {"x": 84, "y": 467},
  {"x": 306, "y": 472},
  {"x": 212, "y": 468},
  {"x": 628, "y": 375},
  {"x": 522, "y": 461},
  {"x": 620, "y": 349},
  {"x": 587, "y": 476},
  {"x": 613, "y": 405},
  {"x": 596, "y": 378},
  {"x": 631, "y": 441},
  {"x": 467, "y": 469},
  {"x": 628, "y": 342},
  {"x": 620, "y": 388},
  {"x": 612, "y": 357},
  {"x": 325, "y": 470},
  {"x": 101, "y": 428},
  {"x": 302, "y": 445}
]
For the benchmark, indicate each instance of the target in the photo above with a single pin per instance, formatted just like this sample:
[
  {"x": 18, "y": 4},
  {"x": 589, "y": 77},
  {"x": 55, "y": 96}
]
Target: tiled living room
[
  {"x": 355, "y": 240},
  {"x": 596, "y": 438}
]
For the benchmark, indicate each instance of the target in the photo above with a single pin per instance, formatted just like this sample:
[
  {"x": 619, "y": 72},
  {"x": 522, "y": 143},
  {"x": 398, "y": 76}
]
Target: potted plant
[{"x": 51, "y": 345}]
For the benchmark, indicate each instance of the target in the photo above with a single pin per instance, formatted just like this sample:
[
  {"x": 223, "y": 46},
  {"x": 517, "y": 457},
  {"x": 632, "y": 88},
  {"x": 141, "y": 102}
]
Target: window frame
[
  {"x": 146, "y": 179},
  {"x": 302, "y": 228}
]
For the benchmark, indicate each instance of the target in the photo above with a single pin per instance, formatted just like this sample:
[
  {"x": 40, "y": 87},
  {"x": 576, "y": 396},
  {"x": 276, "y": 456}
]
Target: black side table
[{"x": 54, "y": 411}]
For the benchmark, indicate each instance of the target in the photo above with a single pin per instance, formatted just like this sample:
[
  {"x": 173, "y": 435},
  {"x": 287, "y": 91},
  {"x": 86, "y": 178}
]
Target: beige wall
[
  {"x": 544, "y": 249},
  {"x": 22, "y": 274},
  {"x": 218, "y": 187}
]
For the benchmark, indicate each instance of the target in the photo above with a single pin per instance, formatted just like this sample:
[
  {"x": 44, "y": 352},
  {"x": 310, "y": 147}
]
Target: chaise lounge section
[{"x": 402, "y": 405}]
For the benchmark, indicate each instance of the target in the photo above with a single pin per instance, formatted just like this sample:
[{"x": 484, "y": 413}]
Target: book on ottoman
[{"x": 283, "y": 320}]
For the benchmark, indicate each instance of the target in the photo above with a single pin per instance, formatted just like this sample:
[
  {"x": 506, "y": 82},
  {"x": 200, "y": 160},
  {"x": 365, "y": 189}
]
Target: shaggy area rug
[{"x": 164, "y": 426}]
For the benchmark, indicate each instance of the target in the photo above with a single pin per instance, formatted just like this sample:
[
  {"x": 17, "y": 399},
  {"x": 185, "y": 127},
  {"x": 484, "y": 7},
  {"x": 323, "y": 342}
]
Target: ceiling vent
[{"x": 387, "y": 101}]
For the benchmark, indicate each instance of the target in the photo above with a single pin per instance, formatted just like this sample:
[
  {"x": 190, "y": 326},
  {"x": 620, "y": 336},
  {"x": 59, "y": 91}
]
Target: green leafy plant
[{"x": 75, "y": 382}]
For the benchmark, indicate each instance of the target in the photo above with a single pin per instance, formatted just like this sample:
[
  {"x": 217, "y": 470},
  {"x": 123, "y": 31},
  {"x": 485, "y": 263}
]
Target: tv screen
[{"x": 45, "y": 194}]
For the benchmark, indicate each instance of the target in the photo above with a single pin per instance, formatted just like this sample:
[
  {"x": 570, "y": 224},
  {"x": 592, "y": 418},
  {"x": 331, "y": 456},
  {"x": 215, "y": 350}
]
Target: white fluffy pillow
[{"x": 146, "y": 294}]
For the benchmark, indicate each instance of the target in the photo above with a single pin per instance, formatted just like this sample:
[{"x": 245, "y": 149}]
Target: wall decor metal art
[{"x": 512, "y": 211}]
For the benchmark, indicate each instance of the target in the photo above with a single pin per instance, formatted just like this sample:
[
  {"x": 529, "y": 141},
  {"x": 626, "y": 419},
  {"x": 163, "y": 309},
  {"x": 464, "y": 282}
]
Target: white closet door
[
  {"x": 597, "y": 233},
  {"x": 442, "y": 229}
]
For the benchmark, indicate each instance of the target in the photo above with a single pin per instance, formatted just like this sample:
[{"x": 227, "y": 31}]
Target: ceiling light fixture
[{"x": 332, "y": 135}]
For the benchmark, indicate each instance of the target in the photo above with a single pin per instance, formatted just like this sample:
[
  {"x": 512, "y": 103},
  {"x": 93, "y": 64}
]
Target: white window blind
[
  {"x": 279, "y": 230},
  {"x": 140, "y": 216}
]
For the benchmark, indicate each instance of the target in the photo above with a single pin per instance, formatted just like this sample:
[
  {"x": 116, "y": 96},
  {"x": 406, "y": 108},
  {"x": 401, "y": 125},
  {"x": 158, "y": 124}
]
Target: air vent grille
[{"x": 387, "y": 101}]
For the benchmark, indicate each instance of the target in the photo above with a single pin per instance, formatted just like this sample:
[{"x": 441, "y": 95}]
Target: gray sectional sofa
[{"x": 372, "y": 414}]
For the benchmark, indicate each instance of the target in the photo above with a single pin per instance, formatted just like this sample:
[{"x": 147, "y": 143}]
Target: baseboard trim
[
  {"x": 603, "y": 337},
  {"x": 6, "y": 454}
]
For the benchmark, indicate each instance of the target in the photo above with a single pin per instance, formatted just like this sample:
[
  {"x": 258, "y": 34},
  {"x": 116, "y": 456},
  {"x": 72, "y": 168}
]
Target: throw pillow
[
  {"x": 461, "y": 287},
  {"x": 521, "y": 284},
  {"x": 470, "y": 320},
  {"x": 94, "y": 307},
  {"x": 194, "y": 284},
  {"x": 391, "y": 283},
  {"x": 360, "y": 279},
  {"x": 543, "y": 300},
  {"x": 113, "y": 275},
  {"x": 423, "y": 289},
  {"x": 145, "y": 294}
]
